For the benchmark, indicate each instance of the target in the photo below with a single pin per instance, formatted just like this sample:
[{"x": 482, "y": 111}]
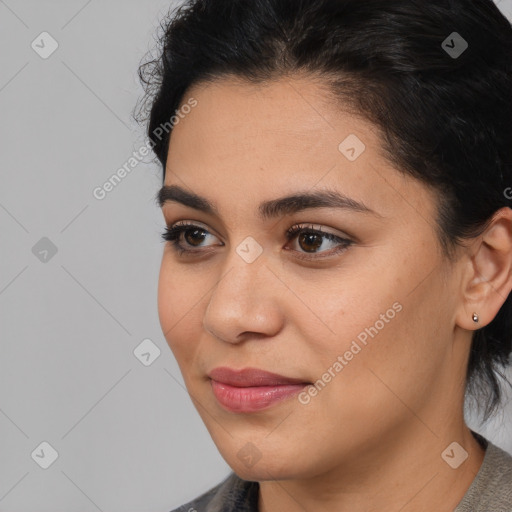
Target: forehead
[
  {"x": 246, "y": 140},
  {"x": 281, "y": 110}
]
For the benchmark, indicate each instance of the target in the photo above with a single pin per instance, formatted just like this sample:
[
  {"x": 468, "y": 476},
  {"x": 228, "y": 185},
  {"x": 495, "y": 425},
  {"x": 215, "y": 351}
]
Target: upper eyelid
[
  {"x": 182, "y": 226},
  {"x": 343, "y": 242},
  {"x": 308, "y": 226},
  {"x": 189, "y": 225}
]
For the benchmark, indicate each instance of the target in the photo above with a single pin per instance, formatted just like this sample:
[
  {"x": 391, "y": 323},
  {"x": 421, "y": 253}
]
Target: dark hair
[{"x": 445, "y": 118}]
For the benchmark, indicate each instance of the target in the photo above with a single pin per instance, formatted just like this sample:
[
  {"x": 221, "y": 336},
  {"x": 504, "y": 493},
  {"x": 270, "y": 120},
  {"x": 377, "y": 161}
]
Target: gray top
[{"x": 491, "y": 490}]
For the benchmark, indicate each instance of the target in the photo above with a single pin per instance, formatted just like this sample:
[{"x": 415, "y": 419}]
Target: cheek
[
  {"x": 369, "y": 321},
  {"x": 167, "y": 302},
  {"x": 343, "y": 310},
  {"x": 394, "y": 361},
  {"x": 178, "y": 307}
]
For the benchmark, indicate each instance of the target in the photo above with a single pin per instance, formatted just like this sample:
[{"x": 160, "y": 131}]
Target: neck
[{"x": 406, "y": 473}]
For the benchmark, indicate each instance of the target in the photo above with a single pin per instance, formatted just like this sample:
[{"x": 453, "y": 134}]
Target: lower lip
[{"x": 252, "y": 399}]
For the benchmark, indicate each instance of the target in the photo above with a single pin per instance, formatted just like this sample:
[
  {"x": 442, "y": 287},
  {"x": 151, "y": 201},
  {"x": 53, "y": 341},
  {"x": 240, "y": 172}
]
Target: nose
[{"x": 244, "y": 302}]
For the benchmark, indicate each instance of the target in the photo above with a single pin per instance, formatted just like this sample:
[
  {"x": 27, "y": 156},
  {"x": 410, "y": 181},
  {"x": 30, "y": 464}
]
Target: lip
[
  {"x": 252, "y": 389},
  {"x": 250, "y": 377}
]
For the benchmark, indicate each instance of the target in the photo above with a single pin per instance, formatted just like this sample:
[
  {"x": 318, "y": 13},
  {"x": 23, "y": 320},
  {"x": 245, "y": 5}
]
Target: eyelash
[{"x": 173, "y": 233}]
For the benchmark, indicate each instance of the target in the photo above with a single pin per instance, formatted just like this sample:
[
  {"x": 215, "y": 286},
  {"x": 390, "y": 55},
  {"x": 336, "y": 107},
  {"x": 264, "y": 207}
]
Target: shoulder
[
  {"x": 492, "y": 487},
  {"x": 501, "y": 485},
  {"x": 230, "y": 495}
]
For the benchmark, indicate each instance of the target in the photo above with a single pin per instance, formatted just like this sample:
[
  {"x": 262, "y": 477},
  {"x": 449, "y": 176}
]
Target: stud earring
[{"x": 475, "y": 317}]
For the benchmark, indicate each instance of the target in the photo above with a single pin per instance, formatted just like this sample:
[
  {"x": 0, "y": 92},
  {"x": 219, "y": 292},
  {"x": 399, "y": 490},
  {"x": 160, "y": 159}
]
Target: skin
[{"x": 372, "y": 439}]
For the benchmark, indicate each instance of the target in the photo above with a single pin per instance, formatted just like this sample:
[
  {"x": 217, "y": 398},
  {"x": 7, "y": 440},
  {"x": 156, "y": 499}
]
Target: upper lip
[{"x": 247, "y": 377}]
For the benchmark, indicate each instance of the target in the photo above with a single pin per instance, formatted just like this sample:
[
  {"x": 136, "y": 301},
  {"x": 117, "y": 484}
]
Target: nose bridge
[
  {"x": 242, "y": 298},
  {"x": 241, "y": 280},
  {"x": 246, "y": 265}
]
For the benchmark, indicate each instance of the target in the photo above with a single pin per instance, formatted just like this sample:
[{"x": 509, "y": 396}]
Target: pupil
[
  {"x": 194, "y": 234},
  {"x": 309, "y": 237}
]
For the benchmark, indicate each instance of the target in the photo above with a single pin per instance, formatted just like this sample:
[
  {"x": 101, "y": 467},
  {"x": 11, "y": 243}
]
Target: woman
[{"x": 338, "y": 265}]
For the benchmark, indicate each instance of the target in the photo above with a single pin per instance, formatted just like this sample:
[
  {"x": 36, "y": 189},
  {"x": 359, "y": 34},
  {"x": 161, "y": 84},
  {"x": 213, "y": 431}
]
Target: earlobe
[{"x": 488, "y": 281}]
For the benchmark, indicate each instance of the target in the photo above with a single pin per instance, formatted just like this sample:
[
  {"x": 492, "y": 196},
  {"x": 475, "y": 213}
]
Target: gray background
[{"x": 127, "y": 435}]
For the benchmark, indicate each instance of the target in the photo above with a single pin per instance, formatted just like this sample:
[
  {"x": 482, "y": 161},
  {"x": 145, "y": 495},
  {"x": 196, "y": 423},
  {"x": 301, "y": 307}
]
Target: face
[{"x": 344, "y": 302}]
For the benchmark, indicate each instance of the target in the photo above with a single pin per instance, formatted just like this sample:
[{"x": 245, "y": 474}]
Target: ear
[{"x": 487, "y": 280}]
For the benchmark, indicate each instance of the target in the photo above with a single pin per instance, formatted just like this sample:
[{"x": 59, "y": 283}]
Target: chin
[
  {"x": 261, "y": 472},
  {"x": 254, "y": 464}
]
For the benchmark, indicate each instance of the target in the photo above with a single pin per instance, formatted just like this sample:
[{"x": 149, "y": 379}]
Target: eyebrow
[{"x": 268, "y": 209}]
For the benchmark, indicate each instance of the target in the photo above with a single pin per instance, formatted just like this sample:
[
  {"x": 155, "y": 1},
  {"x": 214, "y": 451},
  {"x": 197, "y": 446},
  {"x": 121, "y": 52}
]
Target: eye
[
  {"x": 310, "y": 239},
  {"x": 194, "y": 236}
]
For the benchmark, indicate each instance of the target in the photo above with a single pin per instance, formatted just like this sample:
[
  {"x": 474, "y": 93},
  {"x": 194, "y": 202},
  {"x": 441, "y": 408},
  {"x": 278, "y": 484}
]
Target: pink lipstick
[{"x": 251, "y": 389}]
